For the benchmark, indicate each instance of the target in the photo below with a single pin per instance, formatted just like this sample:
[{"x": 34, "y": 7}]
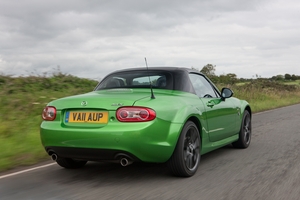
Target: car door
[{"x": 221, "y": 115}]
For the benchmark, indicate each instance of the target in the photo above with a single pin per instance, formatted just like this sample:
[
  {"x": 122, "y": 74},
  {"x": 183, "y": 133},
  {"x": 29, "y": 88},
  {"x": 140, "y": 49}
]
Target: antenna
[{"x": 152, "y": 94}]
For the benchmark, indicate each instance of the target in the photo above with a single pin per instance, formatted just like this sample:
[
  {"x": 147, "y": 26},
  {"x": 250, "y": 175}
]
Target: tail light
[
  {"x": 135, "y": 114},
  {"x": 49, "y": 113}
]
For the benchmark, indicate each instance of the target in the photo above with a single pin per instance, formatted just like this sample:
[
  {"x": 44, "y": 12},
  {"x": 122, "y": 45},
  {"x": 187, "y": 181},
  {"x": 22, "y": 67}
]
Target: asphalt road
[{"x": 268, "y": 169}]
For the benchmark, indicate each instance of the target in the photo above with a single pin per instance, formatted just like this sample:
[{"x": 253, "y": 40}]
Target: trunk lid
[
  {"x": 105, "y": 99},
  {"x": 95, "y": 109}
]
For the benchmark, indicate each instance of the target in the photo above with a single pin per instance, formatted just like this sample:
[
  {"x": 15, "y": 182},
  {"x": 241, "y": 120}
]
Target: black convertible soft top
[{"x": 172, "y": 78}]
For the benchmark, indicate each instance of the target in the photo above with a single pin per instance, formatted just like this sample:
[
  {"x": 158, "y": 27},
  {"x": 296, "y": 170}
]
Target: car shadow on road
[{"x": 112, "y": 173}]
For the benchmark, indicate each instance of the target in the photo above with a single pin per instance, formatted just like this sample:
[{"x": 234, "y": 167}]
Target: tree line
[{"x": 231, "y": 78}]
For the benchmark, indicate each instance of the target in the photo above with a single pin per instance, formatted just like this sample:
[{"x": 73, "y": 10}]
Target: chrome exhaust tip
[
  {"x": 124, "y": 162},
  {"x": 54, "y": 157}
]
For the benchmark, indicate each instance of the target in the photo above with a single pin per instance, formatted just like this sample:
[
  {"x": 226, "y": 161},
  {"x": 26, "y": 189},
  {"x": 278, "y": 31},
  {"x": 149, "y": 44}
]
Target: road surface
[{"x": 269, "y": 170}]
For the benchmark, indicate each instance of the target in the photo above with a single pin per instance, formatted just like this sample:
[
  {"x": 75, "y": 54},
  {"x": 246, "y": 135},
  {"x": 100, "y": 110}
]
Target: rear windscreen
[{"x": 137, "y": 79}]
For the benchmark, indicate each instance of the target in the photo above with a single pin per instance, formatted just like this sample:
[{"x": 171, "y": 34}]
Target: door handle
[
  {"x": 213, "y": 102},
  {"x": 210, "y": 104}
]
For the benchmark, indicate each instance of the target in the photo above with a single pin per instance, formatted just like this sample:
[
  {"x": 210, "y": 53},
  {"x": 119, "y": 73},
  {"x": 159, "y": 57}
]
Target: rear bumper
[
  {"x": 146, "y": 141},
  {"x": 90, "y": 154}
]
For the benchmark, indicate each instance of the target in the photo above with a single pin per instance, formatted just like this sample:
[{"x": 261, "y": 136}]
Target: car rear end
[{"x": 106, "y": 126}]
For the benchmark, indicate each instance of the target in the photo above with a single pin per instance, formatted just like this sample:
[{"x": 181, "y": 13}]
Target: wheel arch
[
  {"x": 193, "y": 114},
  {"x": 248, "y": 108},
  {"x": 245, "y": 106},
  {"x": 186, "y": 164},
  {"x": 197, "y": 122}
]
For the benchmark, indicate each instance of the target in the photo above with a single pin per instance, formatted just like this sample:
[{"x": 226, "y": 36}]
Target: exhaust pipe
[
  {"x": 124, "y": 162},
  {"x": 54, "y": 157}
]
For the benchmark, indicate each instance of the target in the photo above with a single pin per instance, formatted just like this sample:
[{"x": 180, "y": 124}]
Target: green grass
[
  {"x": 296, "y": 82},
  {"x": 23, "y": 99},
  {"x": 265, "y": 95}
]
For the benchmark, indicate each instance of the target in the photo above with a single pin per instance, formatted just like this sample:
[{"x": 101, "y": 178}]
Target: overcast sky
[{"x": 91, "y": 38}]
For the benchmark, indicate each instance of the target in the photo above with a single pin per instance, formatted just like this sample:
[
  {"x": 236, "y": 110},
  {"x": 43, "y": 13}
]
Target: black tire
[
  {"x": 70, "y": 163},
  {"x": 245, "y": 132},
  {"x": 186, "y": 156}
]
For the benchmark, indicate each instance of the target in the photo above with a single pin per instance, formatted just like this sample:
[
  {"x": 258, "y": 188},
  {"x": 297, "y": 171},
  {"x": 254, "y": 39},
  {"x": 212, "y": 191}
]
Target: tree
[
  {"x": 209, "y": 70},
  {"x": 278, "y": 77},
  {"x": 287, "y": 77},
  {"x": 230, "y": 78},
  {"x": 294, "y": 77}
]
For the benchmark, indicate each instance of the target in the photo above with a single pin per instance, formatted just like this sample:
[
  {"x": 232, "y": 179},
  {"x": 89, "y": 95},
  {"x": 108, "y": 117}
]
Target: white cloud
[{"x": 93, "y": 38}]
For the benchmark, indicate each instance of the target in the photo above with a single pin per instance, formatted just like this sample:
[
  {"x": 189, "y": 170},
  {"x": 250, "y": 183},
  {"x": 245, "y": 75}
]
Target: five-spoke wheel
[
  {"x": 245, "y": 132},
  {"x": 186, "y": 157}
]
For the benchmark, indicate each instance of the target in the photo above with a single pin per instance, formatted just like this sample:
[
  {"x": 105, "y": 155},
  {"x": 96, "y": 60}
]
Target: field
[
  {"x": 265, "y": 95},
  {"x": 296, "y": 82},
  {"x": 22, "y": 100}
]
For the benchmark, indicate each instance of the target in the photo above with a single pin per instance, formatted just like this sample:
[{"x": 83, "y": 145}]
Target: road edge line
[{"x": 26, "y": 170}]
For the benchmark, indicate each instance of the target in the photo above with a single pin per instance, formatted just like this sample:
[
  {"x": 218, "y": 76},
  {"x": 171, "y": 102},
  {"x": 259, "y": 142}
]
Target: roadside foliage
[{"x": 22, "y": 100}]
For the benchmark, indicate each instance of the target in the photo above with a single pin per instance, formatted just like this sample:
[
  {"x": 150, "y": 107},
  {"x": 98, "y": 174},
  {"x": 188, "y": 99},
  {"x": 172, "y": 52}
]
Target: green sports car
[{"x": 157, "y": 115}]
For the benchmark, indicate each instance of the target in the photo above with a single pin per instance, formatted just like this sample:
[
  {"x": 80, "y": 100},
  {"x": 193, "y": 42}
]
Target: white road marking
[{"x": 27, "y": 170}]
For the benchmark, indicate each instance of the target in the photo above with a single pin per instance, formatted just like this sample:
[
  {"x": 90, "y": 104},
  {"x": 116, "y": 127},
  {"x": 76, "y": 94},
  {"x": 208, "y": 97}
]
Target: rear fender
[
  {"x": 193, "y": 114},
  {"x": 245, "y": 106}
]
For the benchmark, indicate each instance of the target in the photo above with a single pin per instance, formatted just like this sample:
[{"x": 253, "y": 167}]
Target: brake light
[
  {"x": 49, "y": 113},
  {"x": 135, "y": 114}
]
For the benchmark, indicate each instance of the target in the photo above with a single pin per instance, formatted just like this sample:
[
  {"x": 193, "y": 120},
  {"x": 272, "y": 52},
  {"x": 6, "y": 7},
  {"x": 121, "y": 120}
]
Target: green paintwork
[{"x": 154, "y": 141}]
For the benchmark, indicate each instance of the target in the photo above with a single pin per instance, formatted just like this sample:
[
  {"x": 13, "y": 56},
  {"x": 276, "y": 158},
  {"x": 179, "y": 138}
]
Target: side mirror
[{"x": 226, "y": 93}]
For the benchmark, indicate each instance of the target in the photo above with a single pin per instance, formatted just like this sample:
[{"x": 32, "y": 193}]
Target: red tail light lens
[
  {"x": 49, "y": 113},
  {"x": 135, "y": 114}
]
